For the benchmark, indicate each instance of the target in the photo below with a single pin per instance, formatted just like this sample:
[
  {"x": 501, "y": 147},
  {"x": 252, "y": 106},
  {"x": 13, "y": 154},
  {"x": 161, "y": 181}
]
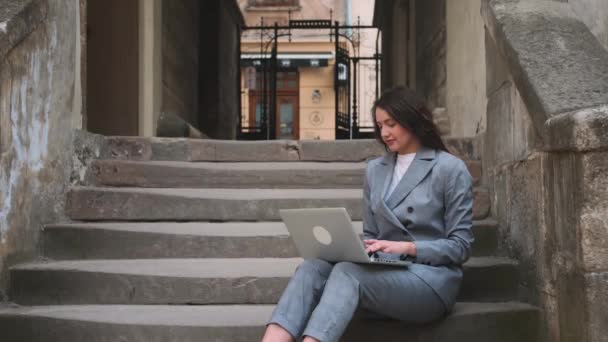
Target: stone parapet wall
[
  {"x": 545, "y": 153},
  {"x": 553, "y": 58}
]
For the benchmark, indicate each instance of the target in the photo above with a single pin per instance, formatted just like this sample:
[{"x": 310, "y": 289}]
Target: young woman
[{"x": 417, "y": 202}]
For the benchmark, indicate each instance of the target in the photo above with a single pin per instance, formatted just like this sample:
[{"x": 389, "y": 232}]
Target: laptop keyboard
[{"x": 383, "y": 260}]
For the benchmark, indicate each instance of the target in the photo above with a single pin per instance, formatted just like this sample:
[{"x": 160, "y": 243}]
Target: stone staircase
[{"x": 180, "y": 240}]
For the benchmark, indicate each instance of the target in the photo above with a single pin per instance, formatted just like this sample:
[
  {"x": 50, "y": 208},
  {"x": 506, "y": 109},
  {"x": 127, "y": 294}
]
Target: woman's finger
[
  {"x": 379, "y": 246},
  {"x": 373, "y": 247},
  {"x": 384, "y": 247},
  {"x": 388, "y": 247}
]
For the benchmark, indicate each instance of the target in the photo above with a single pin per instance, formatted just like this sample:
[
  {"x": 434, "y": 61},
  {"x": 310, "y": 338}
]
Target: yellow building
[
  {"x": 305, "y": 78},
  {"x": 305, "y": 90}
]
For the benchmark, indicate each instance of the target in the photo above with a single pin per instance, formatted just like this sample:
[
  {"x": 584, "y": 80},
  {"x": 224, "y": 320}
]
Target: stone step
[
  {"x": 138, "y": 240},
  {"x": 468, "y": 322},
  {"x": 183, "y": 149},
  {"x": 203, "y": 281},
  {"x": 172, "y": 174},
  {"x": 158, "y": 204}
]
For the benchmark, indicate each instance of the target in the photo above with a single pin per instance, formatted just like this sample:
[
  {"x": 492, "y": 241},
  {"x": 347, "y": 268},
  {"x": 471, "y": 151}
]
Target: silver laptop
[{"x": 328, "y": 234}]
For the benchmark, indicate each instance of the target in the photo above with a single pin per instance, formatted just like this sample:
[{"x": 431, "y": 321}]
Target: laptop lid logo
[{"x": 322, "y": 235}]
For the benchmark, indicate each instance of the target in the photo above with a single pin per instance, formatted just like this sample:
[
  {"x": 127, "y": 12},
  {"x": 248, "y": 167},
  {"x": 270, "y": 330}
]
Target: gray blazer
[{"x": 432, "y": 205}]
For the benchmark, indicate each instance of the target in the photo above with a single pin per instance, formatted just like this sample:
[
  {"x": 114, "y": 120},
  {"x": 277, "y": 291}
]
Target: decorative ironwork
[
  {"x": 310, "y": 24},
  {"x": 342, "y": 89},
  {"x": 348, "y": 119}
]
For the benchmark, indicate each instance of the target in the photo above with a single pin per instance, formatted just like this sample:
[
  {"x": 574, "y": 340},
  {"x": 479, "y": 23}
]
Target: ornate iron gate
[
  {"x": 262, "y": 73},
  {"x": 342, "y": 91}
]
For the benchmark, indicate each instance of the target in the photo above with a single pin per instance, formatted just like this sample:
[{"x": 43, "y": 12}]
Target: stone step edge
[
  {"x": 212, "y": 227},
  {"x": 126, "y": 172},
  {"x": 215, "y": 267},
  {"x": 155, "y": 148},
  {"x": 223, "y": 315},
  {"x": 234, "y": 191},
  {"x": 219, "y": 204}
]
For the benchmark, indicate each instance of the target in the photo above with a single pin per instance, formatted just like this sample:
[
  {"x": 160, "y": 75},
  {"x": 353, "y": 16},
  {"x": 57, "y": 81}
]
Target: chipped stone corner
[
  {"x": 581, "y": 130},
  {"x": 293, "y": 149},
  {"x": 87, "y": 147}
]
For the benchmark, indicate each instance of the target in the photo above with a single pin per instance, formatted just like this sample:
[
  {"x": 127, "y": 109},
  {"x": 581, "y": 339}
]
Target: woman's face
[{"x": 398, "y": 138}]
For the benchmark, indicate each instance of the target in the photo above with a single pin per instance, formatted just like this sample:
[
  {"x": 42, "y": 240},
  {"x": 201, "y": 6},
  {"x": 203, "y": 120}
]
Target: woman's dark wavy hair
[{"x": 407, "y": 108}]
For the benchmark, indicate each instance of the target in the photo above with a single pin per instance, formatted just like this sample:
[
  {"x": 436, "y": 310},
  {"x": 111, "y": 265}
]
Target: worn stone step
[
  {"x": 172, "y": 174},
  {"x": 468, "y": 322},
  {"x": 137, "y": 240},
  {"x": 203, "y": 281},
  {"x": 157, "y": 204},
  {"x": 183, "y": 149}
]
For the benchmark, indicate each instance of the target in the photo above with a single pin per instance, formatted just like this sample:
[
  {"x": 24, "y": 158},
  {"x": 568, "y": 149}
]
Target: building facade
[{"x": 306, "y": 77}]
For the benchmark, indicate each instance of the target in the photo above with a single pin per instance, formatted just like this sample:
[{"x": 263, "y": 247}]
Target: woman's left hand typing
[{"x": 388, "y": 246}]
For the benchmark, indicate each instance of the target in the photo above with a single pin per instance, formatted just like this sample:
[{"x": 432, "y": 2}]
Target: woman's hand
[{"x": 388, "y": 246}]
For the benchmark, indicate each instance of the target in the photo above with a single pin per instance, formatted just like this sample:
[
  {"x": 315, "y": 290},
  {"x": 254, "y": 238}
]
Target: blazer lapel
[
  {"x": 384, "y": 171},
  {"x": 420, "y": 167}
]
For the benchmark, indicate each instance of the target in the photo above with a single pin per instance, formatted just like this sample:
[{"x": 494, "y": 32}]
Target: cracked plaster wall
[{"x": 39, "y": 107}]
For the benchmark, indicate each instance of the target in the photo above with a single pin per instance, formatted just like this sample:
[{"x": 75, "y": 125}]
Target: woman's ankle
[{"x": 276, "y": 333}]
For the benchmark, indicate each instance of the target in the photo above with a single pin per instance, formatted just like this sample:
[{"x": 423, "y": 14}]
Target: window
[{"x": 286, "y": 80}]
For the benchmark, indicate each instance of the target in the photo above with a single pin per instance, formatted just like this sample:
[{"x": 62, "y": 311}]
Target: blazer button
[{"x": 410, "y": 210}]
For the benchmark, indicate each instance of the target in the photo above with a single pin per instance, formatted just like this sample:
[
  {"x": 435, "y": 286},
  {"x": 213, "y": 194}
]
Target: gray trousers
[{"x": 321, "y": 298}]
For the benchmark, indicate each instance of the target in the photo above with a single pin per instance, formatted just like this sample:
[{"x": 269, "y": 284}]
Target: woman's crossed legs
[{"x": 321, "y": 298}]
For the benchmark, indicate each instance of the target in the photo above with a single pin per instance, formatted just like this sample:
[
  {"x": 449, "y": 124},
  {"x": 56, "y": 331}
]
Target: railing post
[
  {"x": 377, "y": 59},
  {"x": 355, "y": 104},
  {"x": 273, "y": 84},
  {"x": 238, "y": 81},
  {"x": 336, "y": 70}
]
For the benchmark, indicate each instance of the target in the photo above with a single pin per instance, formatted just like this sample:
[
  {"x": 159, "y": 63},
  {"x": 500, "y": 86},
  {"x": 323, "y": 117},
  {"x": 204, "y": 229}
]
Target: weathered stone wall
[
  {"x": 180, "y": 57},
  {"x": 466, "y": 69},
  {"x": 229, "y": 68},
  {"x": 431, "y": 51},
  {"x": 219, "y": 68},
  {"x": 40, "y": 103},
  {"x": 512, "y": 172},
  {"x": 398, "y": 46},
  {"x": 545, "y": 151},
  {"x": 392, "y": 18},
  {"x": 422, "y": 64}
]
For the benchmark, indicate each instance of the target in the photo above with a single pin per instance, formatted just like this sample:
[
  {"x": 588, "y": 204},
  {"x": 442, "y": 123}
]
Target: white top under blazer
[{"x": 402, "y": 164}]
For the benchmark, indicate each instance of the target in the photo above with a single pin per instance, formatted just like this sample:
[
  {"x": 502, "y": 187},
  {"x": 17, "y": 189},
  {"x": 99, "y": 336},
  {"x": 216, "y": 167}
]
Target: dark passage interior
[{"x": 112, "y": 62}]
